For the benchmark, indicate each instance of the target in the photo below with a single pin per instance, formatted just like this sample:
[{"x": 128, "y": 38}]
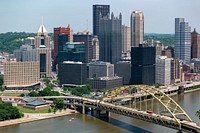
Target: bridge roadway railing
[{"x": 166, "y": 121}]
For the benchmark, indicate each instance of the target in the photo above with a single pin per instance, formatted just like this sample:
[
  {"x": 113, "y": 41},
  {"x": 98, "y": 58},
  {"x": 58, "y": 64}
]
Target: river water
[{"x": 190, "y": 102}]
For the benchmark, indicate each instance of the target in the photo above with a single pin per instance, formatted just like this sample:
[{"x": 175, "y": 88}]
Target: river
[{"x": 190, "y": 102}]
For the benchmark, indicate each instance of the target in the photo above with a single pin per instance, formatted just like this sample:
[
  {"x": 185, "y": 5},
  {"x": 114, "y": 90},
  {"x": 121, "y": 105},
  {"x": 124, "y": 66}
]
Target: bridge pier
[
  {"x": 179, "y": 131},
  {"x": 83, "y": 108},
  {"x": 102, "y": 114},
  {"x": 92, "y": 111}
]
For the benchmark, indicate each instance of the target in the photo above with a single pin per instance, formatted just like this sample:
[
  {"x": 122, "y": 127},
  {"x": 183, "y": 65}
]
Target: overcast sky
[{"x": 159, "y": 15}]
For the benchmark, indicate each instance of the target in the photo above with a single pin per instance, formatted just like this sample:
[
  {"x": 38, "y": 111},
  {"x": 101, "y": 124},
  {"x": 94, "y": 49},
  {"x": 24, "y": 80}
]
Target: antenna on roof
[
  {"x": 42, "y": 20},
  {"x": 87, "y": 25}
]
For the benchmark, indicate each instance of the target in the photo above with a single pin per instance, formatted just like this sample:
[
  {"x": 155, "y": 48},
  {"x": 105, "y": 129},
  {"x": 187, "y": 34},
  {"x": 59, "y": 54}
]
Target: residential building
[
  {"x": 182, "y": 40},
  {"x": 163, "y": 70},
  {"x": 137, "y": 28},
  {"x": 72, "y": 73},
  {"x": 143, "y": 65},
  {"x": 110, "y": 38},
  {"x": 176, "y": 71},
  {"x": 100, "y": 69},
  {"x": 126, "y": 40},
  {"x": 195, "y": 43},
  {"x": 21, "y": 74},
  {"x": 103, "y": 10},
  {"x": 166, "y": 53}
]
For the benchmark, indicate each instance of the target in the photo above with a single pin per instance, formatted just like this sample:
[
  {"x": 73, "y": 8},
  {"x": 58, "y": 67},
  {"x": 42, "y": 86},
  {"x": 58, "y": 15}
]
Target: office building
[
  {"x": 106, "y": 82},
  {"x": 110, "y": 38},
  {"x": 195, "y": 43},
  {"x": 137, "y": 28},
  {"x": 30, "y": 41},
  {"x": 86, "y": 38},
  {"x": 163, "y": 72},
  {"x": 103, "y": 10},
  {"x": 126, "y": 40},
  {"x": 71, "y": 51},
  {"x": 21, "y": 74},
  {"x": 72, "y": 73},
  {"x": 26, "y": 53},
  {"x": 43, "y": 48},
  {"x": 196, "y": 62},
  {"x": 123, "y": 69},
  {"x": 61, "y": 30},
  {"x": 100, "y": 69},
  {"x": 154, "y": 43},
  {"x": 95, "y": 48},
  {"x": 182, "y": 40},
  {"x": 143, "y": 65}
]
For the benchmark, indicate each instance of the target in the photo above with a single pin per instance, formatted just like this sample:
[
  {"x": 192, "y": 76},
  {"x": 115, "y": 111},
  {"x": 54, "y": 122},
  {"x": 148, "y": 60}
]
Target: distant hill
[
  {"x": 13, "y": 40},
  {"x": 166, "y": 39}
]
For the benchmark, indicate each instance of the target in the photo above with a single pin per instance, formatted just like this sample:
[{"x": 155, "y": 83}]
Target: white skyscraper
[
  {"x": 163, "y": 70},
  {"x": 126, "y": 40},
  {"x": 137, "y": 28},
  {"x": 183, "y": 40}
]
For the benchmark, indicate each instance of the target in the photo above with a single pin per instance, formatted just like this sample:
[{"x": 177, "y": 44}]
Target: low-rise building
[{"x": 106, "y": 82}]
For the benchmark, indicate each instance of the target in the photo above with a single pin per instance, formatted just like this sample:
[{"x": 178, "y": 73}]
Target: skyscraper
[
  {"x": 163, "y": 70},
  {"x": 103, "y": 10},
  {"x": 143, "y": 65},
  {"x": 126, "y": 40},
  {"x": 195, "y": 41},
  {"x": 95, "y": 48},
  {"x": 183, "y": 40},
  {"x": 110, "y": 38},
  {"x": 137, "y": 28},
  {"x": 86, "y": 38},
  {"x": 57, "y": 32},
  {"x": 42, "y": 45}
]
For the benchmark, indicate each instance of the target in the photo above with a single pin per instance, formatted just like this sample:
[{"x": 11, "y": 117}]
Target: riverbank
[
  {"x": 30, "y": 117},
  {"x": 192, "y": 90}
]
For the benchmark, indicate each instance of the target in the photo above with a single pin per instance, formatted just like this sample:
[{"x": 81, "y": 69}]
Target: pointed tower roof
[{"x": 42, "y": 29}]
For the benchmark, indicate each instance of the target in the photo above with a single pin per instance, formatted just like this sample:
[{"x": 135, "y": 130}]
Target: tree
[
  {"x": 58, "y": 103},
  {"x": 198, "y": 114},
  {"x": 1, "y": 80},
  {"x": 22, "y": 95},
  {"x": 33, "y": 94},
  {"x": 134, "y": 90}
]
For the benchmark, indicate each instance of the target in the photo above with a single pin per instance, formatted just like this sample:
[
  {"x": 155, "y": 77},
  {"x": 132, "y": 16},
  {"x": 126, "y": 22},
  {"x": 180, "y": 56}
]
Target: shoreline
[
  {"x": 31, "y": 117},
  {"x": 192, "y": 90}
]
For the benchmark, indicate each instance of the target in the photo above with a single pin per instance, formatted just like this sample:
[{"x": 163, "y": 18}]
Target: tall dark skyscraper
[
  {"x": 143, "y": 61},
  {"x": 110, "y": 38},
  {"x": 85, "y": 37},
  {"x": 104, "y": 10}
]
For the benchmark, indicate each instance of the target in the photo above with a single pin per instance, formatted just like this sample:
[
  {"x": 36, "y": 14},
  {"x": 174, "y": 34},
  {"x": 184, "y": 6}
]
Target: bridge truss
[{"x": 169, "y": 106}]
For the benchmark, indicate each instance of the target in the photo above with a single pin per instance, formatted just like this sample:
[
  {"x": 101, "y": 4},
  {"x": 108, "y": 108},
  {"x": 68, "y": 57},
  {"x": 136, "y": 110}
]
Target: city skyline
[{"x": 25, "y": 16}]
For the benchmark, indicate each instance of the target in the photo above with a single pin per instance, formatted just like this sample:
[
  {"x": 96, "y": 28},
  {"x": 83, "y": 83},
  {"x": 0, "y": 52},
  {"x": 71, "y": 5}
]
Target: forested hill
[
  {"x": 166, "y": 39},
  {"x": 13, "y": 40}
]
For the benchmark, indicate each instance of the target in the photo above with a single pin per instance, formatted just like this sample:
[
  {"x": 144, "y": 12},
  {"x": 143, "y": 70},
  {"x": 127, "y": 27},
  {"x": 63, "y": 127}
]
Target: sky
[{"x": 159, "y": 15}]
